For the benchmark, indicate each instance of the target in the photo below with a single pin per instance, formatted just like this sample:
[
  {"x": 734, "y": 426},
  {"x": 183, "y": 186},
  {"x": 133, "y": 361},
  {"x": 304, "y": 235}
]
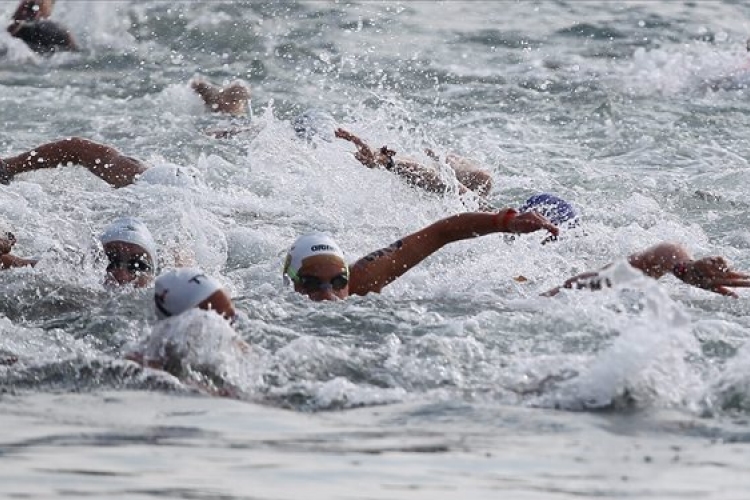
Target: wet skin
[
  {"x": 120, "y": 274},
  {"x": 325, "y": 269},
  {"x": 219, "y": 302}
]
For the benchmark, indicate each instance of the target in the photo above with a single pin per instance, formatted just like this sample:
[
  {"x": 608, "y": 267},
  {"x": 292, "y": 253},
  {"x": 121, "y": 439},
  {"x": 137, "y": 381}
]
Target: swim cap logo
[
  {"x": 320, "y": 248},
  {"x": 160, "y": 301}
]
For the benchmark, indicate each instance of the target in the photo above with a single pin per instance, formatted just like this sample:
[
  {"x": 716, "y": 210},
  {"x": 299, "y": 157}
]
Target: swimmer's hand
[
  {"x": 527, "y": 222},
  {"x": 589, "y": 281},
  {"x": 711, "y": 273},
  {"x": 364, "y": 154}
]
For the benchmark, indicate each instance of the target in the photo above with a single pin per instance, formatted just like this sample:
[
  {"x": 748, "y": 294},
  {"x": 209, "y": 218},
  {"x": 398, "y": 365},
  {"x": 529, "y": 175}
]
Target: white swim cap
[
  {"x": 310, "y": 245},
  {"x": 130, "y": 230},
  {"x": 179, "y": 290}
]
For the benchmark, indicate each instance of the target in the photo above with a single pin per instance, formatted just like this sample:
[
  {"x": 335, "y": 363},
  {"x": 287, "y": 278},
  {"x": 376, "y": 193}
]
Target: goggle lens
[
  {"x": 138, "y": 264},
  {"x": 314, "y": 283}
]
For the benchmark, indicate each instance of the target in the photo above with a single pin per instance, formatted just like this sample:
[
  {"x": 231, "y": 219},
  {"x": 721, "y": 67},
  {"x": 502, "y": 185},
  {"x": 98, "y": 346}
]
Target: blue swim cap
[{"x": 554, "y": 208}]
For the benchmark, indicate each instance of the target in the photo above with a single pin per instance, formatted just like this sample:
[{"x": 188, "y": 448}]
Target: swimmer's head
[
  {"x": 131, "y": 251},
  {"x": 180, "y": 290},
  {"x": 234, "y": 99},
  {"x": 7, "y": 238},
  {"x": 555, "y": 209},
  {"x": 316, "y": 266}
]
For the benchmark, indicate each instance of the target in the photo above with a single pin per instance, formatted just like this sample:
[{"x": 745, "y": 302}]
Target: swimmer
[
  {"x": 7, "y": 260},
  {"x": 709, "y": 273},
  {"x": 127, "y": 243},
  {"x": 101, "y": 160},
  {"x": 315, "y": 264},
  {"x": 469, "y": 176},
  {"x": 179, "y": 290},
  {"x": 176, "y": 292},
  {"x": 31, "y": 24},
  {"x": 232, "y": 99},
  {"x": 131, "y": 251}
]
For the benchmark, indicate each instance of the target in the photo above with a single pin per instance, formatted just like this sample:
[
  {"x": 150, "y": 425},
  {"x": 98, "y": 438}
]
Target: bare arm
[
  {"x": 376, "y": 270},
  {"x": 366, "y": 155},
  {"x": 101, "y": 160},
  {"x": 414, "y": 173},
  {"x": 709, "y": 273}
]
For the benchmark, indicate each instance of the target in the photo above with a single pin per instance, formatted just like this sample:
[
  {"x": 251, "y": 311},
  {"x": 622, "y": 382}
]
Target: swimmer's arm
[
  {"x": 8, "y": 261},
  {"x": 364, "y": 153},
  {"x": 101, "y": 160},
  {"x": 655, "y": 262},
  {"x": 376, "y": 270},
  {"x": 709, "y": 273}
]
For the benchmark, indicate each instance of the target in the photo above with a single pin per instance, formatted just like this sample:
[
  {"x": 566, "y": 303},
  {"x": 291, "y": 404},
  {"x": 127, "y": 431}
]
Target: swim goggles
[
  {"x": 314, "y": 283},
  {"x": 136, "y": 264}
]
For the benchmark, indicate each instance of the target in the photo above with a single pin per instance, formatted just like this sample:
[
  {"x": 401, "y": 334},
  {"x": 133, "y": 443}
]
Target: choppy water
[{"x": 456, "y": 380}]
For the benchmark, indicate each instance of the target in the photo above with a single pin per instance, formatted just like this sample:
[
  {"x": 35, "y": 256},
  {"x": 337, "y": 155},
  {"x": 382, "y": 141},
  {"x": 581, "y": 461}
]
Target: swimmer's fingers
[
  {"x": 348, "y": 136},
  {"x": 529, "y": 222},
  {"x": 343, "y": 134}
]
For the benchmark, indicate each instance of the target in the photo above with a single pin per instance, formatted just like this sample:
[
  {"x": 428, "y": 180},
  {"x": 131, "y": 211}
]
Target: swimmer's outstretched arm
[
  {"x": 415, "y": 174},
  {"x": 469, "y": 176},
  {"x": 709, "y": 273},
  {"x": 374, "y": 271},
  {"x": 103, "y": 161},
  {"x": 365, "y": 154}
]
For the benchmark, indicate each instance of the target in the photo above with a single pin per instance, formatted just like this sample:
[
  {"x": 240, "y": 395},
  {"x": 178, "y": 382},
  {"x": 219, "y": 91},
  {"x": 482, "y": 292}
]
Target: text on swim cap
[{"x": 319, "y": 248}]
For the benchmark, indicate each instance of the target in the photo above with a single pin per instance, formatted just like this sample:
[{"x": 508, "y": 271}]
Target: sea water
[{"x": 457, "y": 380}]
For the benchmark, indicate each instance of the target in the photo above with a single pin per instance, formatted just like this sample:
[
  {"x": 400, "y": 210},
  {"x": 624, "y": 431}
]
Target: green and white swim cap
[{"x": 310, "y": 245}]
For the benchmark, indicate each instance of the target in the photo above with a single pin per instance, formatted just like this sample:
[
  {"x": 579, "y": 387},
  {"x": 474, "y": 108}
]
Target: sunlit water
[{"x": 458, "y": 379}]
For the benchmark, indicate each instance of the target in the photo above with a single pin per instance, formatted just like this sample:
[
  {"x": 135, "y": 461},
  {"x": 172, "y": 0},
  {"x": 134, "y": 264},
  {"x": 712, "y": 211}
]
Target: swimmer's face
[
  {"x": 128, "y": 264},
  {"x": 220, "y": 302},
  {"x": 323, "y": 277}
]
